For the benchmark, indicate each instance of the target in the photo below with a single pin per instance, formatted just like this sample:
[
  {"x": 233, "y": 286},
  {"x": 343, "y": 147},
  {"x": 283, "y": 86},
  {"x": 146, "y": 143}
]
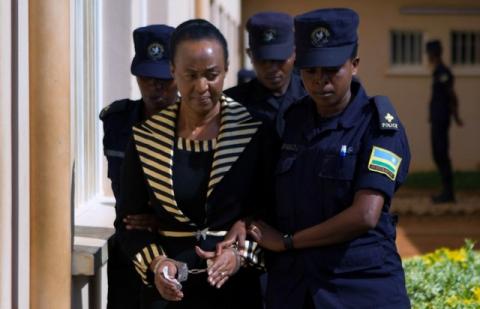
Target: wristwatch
[{"x": 288, "y": 241}]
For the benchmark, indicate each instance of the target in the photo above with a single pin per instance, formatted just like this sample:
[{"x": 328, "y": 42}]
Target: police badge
[
  {"x": 155, "y": 51},
  {"x": 319, "y": 36},
  {"x": 269, "y": 35}
]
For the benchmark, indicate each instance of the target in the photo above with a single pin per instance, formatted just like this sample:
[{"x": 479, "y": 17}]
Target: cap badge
[
  {"x": 269, "y": 35},
  {"x": 155, "y": 51},
  {"x": 320, "y": 36}
]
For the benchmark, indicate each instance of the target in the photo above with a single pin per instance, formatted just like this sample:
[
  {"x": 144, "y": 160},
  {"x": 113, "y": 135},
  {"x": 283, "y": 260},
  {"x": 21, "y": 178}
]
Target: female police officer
[{"x": 343, "y": 156}]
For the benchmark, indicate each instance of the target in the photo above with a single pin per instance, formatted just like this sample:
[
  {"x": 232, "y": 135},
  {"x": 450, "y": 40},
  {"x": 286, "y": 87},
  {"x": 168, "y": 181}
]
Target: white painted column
[
  {"x": 21, "y": 160},
  {"x": 5, "y": 155}
]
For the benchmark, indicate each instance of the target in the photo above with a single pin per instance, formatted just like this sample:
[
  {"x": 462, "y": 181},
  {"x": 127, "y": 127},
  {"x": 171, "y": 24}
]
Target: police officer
[
  {"x": 272, "y": 53},
  {"x": 343, "y": 155},
  {"x": 151, "y": 68},
  {"x": 443, "y": 105}
]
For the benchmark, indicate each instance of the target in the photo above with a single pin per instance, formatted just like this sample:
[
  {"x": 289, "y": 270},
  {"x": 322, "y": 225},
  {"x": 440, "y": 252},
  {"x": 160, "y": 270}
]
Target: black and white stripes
[
  {"x": 196, "y": 146},
  {"x": 254, "y": 254},
  {"x": 144, "y": 258},
  {"x": 155, "y": 138},
  {"x": 236, "y": 131},
  {"x": 154, "y": 142}
]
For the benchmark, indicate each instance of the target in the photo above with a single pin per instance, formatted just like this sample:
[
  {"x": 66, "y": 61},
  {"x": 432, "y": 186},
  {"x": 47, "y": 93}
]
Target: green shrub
[{"x": 444, "y": 279}]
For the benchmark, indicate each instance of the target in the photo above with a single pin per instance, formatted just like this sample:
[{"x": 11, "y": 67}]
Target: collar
[
  {"x": 295, "y": 89},
  {"x": 348, "y": 118}
]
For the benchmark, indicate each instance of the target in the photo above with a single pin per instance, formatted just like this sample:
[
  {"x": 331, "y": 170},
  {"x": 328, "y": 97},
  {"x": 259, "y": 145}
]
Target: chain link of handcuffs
[{"x": 183, "y": 271}]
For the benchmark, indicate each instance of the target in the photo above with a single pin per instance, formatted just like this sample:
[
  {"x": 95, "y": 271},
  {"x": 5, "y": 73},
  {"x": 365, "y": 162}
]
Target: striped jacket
[{"x": 240, "y": 184}]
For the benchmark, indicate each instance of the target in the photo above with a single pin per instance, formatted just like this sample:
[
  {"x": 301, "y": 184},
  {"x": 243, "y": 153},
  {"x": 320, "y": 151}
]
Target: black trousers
[
  {"x": 440, "y": 151},
  {"x": 241, "y": 291},
  {"x": 124, "y": 284}
]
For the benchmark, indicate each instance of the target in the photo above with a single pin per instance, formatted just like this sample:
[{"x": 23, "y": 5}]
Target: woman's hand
[
  {"x": 141, "y": 222},
  {"x": 236, "y": 235},
  {"x": 167, "y": 289},
  {"x": 266, "y": 236},
  {"x": 221, "y": 266}
]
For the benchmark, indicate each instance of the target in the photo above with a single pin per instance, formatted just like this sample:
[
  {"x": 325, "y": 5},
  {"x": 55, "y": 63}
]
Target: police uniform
[
  {"x": 270, "y": 38},
  {"x": 124, "y": 287},
  {"x": 324, "y": 161},
  {"x": 118, "y": 119},
  {"x": 440, "y": 114}
]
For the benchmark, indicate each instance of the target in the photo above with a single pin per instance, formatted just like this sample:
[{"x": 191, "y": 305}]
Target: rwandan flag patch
[{"x": 384, "y": 162}]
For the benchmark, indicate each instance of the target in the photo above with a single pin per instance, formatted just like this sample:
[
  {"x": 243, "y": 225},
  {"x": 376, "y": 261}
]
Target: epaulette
[
  {"x": 115, "y": 107},
  {"x": 387, "y": 116}
]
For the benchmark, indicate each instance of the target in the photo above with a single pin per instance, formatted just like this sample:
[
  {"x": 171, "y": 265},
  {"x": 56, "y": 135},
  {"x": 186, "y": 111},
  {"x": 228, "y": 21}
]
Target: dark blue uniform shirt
[
  {"x": 263, "y": 105},
  {"x": 323, "y": 163},
  {"x": 441, "y": 95},
  {"x": 118, "y": 119}
]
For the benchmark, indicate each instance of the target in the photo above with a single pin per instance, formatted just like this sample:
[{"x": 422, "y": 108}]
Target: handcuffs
[{"x": 183, "y": 271}]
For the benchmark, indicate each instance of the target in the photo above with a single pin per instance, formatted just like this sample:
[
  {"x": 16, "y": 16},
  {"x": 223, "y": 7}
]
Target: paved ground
[{"x": 424, "y": 227}]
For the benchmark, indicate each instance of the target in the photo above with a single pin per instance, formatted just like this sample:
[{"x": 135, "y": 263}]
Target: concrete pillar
[{"x": 50, "y": 158}]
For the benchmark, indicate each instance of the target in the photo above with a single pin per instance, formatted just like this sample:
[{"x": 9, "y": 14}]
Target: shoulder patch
[
  {"x": 115, "y": 107},
  {"x": 387, "y": 116},
  {"x": 443, "y": 78},
  {"x": 384, "y": 162}
]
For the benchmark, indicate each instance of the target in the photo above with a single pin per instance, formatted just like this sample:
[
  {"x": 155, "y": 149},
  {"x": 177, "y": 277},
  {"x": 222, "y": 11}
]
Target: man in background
[{"x": 443, "y": 106}]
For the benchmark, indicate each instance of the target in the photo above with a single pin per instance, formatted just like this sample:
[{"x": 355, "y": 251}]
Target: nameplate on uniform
[{"x": 384, "y": 162}]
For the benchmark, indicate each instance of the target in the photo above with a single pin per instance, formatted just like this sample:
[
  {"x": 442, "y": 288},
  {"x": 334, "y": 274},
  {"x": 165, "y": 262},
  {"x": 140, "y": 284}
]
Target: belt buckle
[{"x": 201, "y": 234}]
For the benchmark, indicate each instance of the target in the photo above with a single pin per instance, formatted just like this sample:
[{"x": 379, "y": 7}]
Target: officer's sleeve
[
  {"x": 383, "y": 160},
  {"x": 142, "y": 246},
  {"x": 114, "y": 163},
  {"x": 445, "y": 78},
  {"x": 263, "y": 198}
]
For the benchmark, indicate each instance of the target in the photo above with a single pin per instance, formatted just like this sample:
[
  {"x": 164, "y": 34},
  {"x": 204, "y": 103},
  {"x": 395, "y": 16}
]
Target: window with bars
[
  {"x": 406, "y": 48},
  {"x": 465, "y": 47}
]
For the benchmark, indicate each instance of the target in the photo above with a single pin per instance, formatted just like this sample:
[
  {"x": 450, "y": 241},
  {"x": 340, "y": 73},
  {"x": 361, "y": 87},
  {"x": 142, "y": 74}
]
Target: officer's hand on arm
[
  {"x": 141, "y": 222},
  {"x": 236, "y": 235},
  {"x": 167, "y": 289},
  {"x": 221, "y": 267},
  {"x": 354, "y": 221},
  {"x": 266, "y": 236}
]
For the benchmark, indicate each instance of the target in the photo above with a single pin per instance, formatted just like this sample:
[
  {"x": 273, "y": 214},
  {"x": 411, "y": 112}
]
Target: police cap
[
  {"x": 152, "y": 51},
  {"x": 270, "y": 35},
  {"x": 325, "y": 37}
]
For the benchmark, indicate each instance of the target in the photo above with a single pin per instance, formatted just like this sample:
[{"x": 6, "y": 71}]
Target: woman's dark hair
[{"x": 197, "y": 29}]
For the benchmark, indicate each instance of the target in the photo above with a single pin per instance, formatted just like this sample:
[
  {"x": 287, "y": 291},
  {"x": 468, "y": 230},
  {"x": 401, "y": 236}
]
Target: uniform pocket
[
  {"x": 336, "y": 167},
  {"x": 335, "y": 177},
  {"x": 362, "y": 258}
]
